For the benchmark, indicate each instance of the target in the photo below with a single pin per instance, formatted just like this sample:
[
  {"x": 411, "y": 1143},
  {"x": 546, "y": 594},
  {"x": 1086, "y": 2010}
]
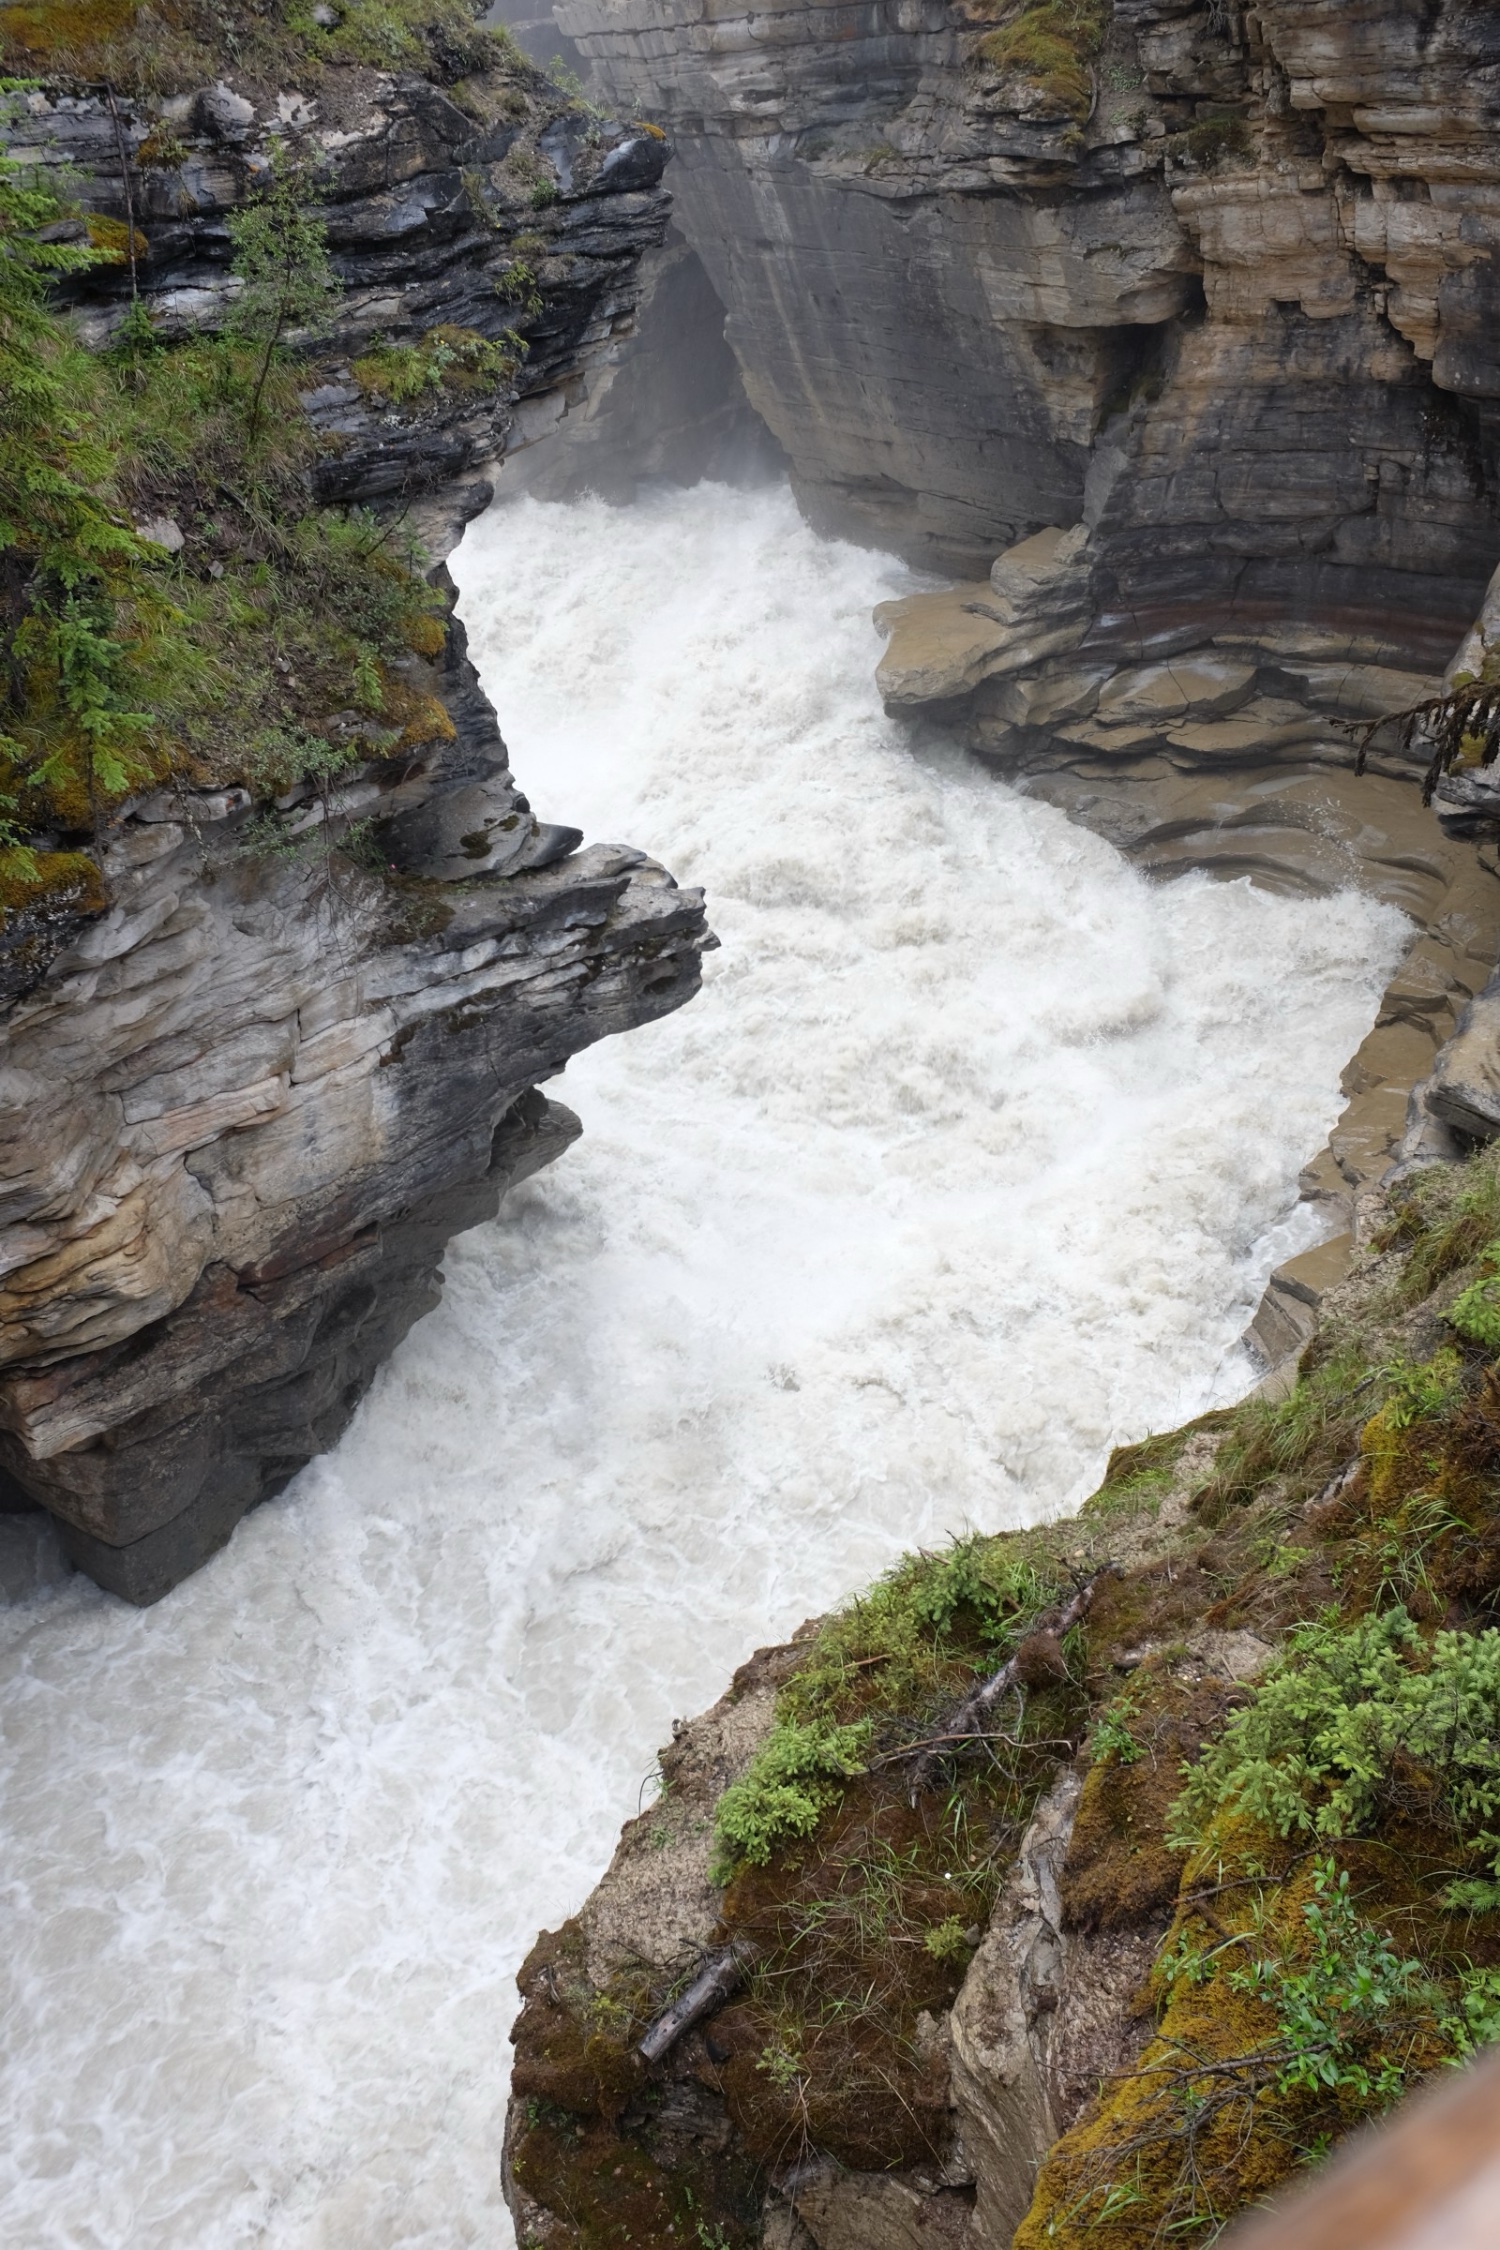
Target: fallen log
[
  {"x": 720, "y": 1975},
  {"x": 969, "y": 1719}
]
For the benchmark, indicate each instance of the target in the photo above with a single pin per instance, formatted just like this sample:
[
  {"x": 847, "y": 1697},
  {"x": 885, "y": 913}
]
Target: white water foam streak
[{"x": 968, "y": 1161}]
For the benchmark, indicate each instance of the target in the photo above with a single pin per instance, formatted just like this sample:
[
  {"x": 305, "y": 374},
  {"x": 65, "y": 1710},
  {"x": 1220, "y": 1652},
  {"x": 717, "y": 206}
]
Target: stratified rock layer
[
  {"x": 245, "y": 1111},
  {"x": 513, "y": 214},
  {"x": 247, "y": 1094},
  {"x": 1232, "y": 311}
]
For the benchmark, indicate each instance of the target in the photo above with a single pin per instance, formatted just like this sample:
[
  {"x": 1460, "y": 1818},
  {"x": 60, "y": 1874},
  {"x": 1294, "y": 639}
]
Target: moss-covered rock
[{"x": 1214, "y": 1990}]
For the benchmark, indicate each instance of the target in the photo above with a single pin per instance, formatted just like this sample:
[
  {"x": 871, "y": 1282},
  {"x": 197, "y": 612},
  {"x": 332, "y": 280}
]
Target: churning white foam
[{"x": 961, "y": 1168}]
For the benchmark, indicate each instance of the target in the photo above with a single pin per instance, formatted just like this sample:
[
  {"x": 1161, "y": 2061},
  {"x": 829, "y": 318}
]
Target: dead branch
[
  {"x": 1454, "y": 724},
  {"x": 972, "y": 1715},
  {"x": 720, "y": 1975}
]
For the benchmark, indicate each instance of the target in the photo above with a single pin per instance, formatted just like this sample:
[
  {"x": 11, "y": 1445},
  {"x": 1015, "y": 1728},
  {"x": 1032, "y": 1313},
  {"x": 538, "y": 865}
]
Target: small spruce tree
[{"x": 281, "y": 256}]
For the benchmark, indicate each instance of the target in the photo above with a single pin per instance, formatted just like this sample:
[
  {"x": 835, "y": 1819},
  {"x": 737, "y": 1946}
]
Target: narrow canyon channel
[{"x": 969, "y": 1162}]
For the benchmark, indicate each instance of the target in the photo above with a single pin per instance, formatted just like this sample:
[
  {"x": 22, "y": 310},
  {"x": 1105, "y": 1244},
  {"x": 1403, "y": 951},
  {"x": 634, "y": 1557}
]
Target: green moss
[
  {"x": 447, "y": 358},
  {"x": 279, "y": 644},
  {"x": 1051, "y": 44},
  {"x": 1358, "y": 1525},
  {"x": 33, "y": 884},
  {"x": 172, "y": 46}
]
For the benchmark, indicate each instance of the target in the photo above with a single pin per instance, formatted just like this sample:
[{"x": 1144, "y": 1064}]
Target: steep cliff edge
[
  {"x": 1211, "y": 278},
  {"x": 1103, "y": 1960},
  {"x": 285, "y": 953},
  {"x": 1162, "y": 327},
  {"x": 1179, "y": 307}
]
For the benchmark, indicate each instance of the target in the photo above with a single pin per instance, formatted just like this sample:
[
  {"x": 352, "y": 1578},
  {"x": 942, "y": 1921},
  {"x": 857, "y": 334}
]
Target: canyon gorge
[{"x": 959, "y": 480}]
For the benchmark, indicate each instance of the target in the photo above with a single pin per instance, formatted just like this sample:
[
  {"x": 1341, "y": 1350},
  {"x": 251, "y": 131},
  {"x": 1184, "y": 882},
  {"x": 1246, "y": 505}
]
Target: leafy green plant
[
  {"x": 792, "y": 1780},
  {"x": 281, "y": 258},
  {"x": 947, "y": 1940},
  {"x": 1335, "y": 2005},
  {"x": 447, "y": 358},
  {"x": 66, "y": 560},
  {"x": 1316, "y": 1751},
  {"x": 999, "y": 1589},
  {"x": 516, "y": 284},
  {"x": 1475, "y": 2021},
  {"x": 1475, "y": 1312},
  {"x": 1113, "y": 1735},
  {"x": 1419, "y": 1391},
  {"x": 781, "y": 2064}
]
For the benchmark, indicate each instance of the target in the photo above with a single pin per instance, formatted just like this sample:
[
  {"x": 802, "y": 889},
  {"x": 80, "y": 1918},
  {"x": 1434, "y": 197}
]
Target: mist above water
[{"x": 968, "y": 1162}]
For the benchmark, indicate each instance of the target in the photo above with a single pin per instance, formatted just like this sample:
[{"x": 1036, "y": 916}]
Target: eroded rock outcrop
[
  {"x": 262, "y": 1064},
  {"x": 243, "y": 1114},
  {"x": 1217, "y": 288},
  {"x": 979, "y": 1995},
  {"x": 494, "y": 207},
  {"x": 1172, "y": 348}
]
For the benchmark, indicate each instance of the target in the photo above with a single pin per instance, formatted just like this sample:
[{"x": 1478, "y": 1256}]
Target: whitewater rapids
[{"x": 969, "y": 1161}]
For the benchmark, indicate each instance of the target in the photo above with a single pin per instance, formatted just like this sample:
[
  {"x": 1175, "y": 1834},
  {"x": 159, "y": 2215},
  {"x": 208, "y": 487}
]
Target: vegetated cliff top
[
  {"x": 174, "y": 46},
  {"x": 1275, "y": 1908},
  {"x": 218, "y": 356}
]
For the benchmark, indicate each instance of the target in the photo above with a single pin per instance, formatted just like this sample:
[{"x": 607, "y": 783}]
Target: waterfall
[{"x": 969, "y": 1162}]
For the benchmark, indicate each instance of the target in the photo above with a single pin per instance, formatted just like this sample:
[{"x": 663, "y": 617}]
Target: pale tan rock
[
  {"x": 1465, "y": 1087},
  {"x": 1394, "y": 1053},
  {"x": 1049, "y": 697},
  {"x": 1288, "y": 1311},
  {"x": 1368, "y": 1134},
  {"x": 865, "y": 2211},
  {"x": 939, "y": 645},
  {"x": 1265, "y": 725},
  {"x": 1197, "y": 686},
  {"x": 1040, "y": 571},
  {"x": 997, "y": 2026},
  {"x": 654, "y": 1902},
  {"x": 137, "y": 1262}
]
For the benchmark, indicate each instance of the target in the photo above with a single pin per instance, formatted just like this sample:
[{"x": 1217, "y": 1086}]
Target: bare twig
[
  {"x": 1451, "y": 723},
  {"x": 971, "y": 1717},
  {"x": 125, "y": 185}
]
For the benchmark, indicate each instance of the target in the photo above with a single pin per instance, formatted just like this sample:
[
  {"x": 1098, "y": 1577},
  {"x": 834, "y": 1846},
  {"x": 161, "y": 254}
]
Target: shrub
[
  {"x": 1336, "y": 1997},
  {"x": 271, "y": 647},
  {"x": 1318, "y": 1748},
  {"x": 792, "y": 1780},
  {"x": 1475, "y": 1313}
]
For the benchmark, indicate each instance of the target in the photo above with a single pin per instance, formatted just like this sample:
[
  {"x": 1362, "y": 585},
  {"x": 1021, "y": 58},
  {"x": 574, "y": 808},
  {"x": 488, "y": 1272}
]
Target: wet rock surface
[
  {"x": 245, "y": 1111},
  {"x": 491, "y": 207},
  {"x": 1219, "y": 294},
  {"x": 247, "y": 1095},
  {"x": 1235, "y": 755}
]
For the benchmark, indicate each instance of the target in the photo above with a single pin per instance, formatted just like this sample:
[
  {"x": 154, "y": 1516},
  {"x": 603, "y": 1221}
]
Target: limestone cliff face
[
  {"x": 515, "y": 212},
  {"x": 1231, "y": 308},
  {"x": 1193, "y": 331},
  {"x": 247, "y": 1096}
]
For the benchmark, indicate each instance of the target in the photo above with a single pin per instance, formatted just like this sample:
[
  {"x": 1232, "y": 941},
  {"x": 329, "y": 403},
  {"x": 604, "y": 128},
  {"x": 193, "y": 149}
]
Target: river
[{"x": 969, "y": 1162}]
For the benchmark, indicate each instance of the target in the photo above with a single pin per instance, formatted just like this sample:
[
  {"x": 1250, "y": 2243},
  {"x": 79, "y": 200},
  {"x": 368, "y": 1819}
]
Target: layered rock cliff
[
  {"x": 1209, "y": 277},
  {"x": 1161, "y": 326},
  {"x": 278, "y": 1042}
]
